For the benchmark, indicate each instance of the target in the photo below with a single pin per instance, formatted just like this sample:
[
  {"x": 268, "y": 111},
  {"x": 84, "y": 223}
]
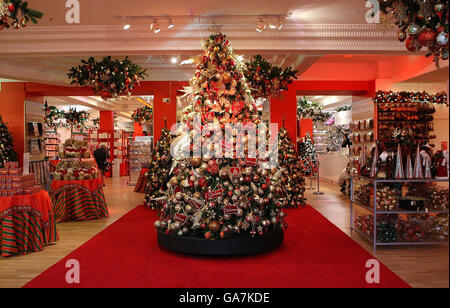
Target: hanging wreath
[
  {"x": 76, "y": 118},
  {"x": 16, "y": 14},
  {"x": 143, "y": 114},
  {"x": 421, "y": 23},
  {"x": 96, "y": 122},
  {"x": 266, "y": 80},
  {"x": 312, "y": 110},
  {"x": 108, "y": 78},
  {"x": 52, "y": 116}
]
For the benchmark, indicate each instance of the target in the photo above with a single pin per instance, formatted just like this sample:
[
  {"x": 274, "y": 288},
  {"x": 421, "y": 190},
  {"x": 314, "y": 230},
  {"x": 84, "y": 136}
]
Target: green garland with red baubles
[
  {"x": 421, "y": 23},
  {"x": 143, "y": 114},
  {"x": 265, "y": 79},
  {"x": 52, "y": 116},
  {"x": 16, "y": 14},
  {"x": 108, "y": 78}
]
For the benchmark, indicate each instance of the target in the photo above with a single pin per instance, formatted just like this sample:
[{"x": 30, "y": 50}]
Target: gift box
[{"x": 4, "y": 172}]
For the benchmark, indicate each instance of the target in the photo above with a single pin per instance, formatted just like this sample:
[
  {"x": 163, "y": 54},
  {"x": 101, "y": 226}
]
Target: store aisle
[
  {"x": 419, "y": 266},
  {"x": 120, "y": 198}
]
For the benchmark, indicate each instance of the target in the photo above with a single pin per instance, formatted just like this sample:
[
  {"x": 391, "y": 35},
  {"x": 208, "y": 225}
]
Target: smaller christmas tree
[
  {"x": 293, "y": 181},
  {"x": 7, "y": 152},
  {"x": 309, "y": 161},
  {"x": 158, "y": 171}
]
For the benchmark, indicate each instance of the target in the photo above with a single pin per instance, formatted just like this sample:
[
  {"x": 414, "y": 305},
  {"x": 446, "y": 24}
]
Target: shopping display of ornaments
[
  {"x": 75, "y": 149},
  {"x": 108, "y": 78},
  {"x": 220, "y": 198},
  {"x": 15, "y": 14},
  {"x": 76, "y": 170},
  {"x": 421, "y": 23}
]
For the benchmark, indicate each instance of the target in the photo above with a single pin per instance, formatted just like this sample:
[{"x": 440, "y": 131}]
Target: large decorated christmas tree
[
  {"x": 212, "y": 197},
  {"x": 158, "y": 172},
  {"x": 293, "y": 181},
  {"x": 7, "y": 152}
]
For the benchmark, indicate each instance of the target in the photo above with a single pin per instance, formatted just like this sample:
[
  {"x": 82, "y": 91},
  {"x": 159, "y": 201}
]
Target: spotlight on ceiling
[
  {"x": 272, "y": 25},
  {"x": 126, "y": 27},
  {"x": 260, "y": 26},
  {"x": 174, "y": 60},
  {"x": 240, "y": 58},
  {"x": 155, "y": 26},
  {"x": 171, "y": 25},
  {"x": 279, "y": 24}
]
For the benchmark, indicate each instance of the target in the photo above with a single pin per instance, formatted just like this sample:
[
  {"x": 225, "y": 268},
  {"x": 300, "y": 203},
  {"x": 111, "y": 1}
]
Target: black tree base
[{"x": 243, "y": 245}]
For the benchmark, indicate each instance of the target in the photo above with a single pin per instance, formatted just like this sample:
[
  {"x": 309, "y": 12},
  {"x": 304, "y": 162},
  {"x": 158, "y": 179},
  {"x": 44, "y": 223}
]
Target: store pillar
[
  {"x": 138, "y": 129},
  {"x": 106, "y": 121},
  {"x": 12, "y": 110},
  {"x": 283, "y": 110}
]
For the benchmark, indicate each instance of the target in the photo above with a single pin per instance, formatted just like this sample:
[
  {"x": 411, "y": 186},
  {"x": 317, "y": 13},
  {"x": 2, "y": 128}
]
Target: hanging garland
[
  {"x": 96, "y": 122},
  {"x": 383, "y": 97},
  {"x": 421, "y": 23},
  {"x": 143, "y": 114},
  {"x": 312, "y": 110},
  {"x": 266, "y": 80},
  {"x": 16, "y": 14},
  {"x": 76, "y": 118},
  {"x": 108, "y": 78},
  {"x": 344, "y": 108},
  {"x": 52, "y": 116}
]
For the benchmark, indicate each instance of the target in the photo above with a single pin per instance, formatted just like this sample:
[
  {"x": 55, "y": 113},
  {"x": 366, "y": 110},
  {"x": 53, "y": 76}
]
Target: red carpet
[{"x": 126, "y": 254}]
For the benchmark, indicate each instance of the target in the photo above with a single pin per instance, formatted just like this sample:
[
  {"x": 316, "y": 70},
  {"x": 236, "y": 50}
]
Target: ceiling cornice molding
[{"x": 76, "y": 40}]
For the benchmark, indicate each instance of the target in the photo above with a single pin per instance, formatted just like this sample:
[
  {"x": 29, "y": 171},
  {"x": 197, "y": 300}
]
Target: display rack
[
  {"x": 424, "y": 225},
  {"x": 52, "y": 143},
  {"x": 362, "y": 135},
  {"x": 139, "y": 154}
]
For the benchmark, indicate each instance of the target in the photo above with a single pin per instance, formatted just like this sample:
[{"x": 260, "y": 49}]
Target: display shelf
[
  {"x": 138, "y": 155},
  {"x": 426, "y": 224}
]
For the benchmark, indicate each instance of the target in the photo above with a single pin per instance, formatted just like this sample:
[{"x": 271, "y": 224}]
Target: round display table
[
  {"x": 243, "y": 245},
  {"x": 27, "y": 224},
  {"x": 78, "y": 200}
]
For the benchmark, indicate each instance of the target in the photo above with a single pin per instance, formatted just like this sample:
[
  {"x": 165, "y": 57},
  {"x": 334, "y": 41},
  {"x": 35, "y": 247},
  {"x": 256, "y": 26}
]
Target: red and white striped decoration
[
  {"x": 409, "y": 168},
  {"x": 418, "y": 171},
  {"x": 374, "y": 169},
  {"x": 399, "y": 171}
]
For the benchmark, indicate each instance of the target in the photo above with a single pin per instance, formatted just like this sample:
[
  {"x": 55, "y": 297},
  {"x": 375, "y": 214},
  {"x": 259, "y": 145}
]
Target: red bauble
[
  {"x": 427, "y": 37},
  {"x": 11, "y": 7},
  {"x": 412, "y": 44},
  {"x": 202, "y": 182}
]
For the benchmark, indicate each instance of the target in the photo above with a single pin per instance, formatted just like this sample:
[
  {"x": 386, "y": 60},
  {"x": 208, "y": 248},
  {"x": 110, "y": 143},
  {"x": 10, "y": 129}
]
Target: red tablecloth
[
  {"x": 26, "y": 224},
  {"x": 39, "y": 203},
  {"x": 142, "y": 181},
  {"x": 78, "y": 200}
]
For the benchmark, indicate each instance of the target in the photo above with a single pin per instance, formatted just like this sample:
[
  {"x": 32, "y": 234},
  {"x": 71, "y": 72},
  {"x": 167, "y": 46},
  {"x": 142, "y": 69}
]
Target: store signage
[
  {"x": 181, "y": 218},
  {"x": 231, "y": 209},
  {"x": 215, "y": 193},
  {"x": 250, "y": 161}
]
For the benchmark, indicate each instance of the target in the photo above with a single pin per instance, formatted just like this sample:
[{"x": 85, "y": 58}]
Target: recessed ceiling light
[
  {"x": 240, "y": 58},
  {"x": 272, "y": 25},
  {"x": 174, "y": 60},
  {"x": 126, "y": 27}
]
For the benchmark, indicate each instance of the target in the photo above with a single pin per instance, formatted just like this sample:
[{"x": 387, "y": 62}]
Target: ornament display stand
[
  {"x": 318, "y": 192},
  {"x": 243, "y": 245},
  {"x": 376, "y": 213}
]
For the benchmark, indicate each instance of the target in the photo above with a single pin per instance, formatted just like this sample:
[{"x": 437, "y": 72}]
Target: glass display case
[{"x": 405, "y": 212}]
